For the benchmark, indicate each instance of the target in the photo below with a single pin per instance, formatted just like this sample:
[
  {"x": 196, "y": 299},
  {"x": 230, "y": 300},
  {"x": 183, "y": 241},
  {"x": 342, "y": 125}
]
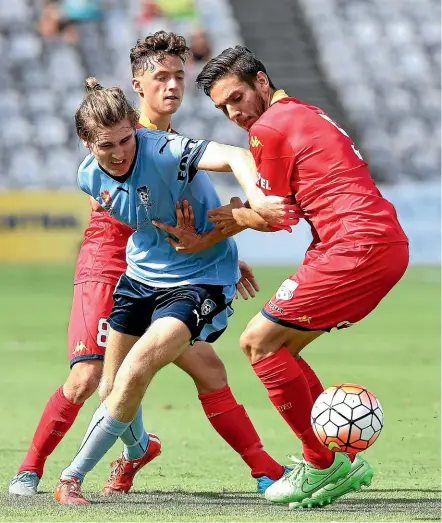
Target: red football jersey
[
  {"x": 299, "y": 151},
  {"x": 102, "y": 255}
]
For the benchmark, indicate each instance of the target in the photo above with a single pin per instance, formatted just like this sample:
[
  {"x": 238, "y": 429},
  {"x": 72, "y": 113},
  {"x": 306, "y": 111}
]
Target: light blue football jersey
[{"x": 164, "y": 172}]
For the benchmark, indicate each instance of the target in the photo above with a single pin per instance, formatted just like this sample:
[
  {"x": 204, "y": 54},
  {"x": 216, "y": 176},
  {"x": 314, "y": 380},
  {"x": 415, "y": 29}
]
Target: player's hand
[
  {"x": 249, "y": 218},
  {"x": 224, "y": 219},
  {"x": 235, "y": 217},
  {"x": 189, "y": 241},
  {"x": 185, "y": 219},
  {"x": 281, "y": 213},
  {"x": 247, "y": 285}
]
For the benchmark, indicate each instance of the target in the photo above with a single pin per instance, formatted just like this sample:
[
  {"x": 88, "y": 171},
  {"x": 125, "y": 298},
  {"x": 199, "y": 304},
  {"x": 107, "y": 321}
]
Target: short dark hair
[
  {"x": 154, "y": 48},
  {"x": 235, "y": 60}
]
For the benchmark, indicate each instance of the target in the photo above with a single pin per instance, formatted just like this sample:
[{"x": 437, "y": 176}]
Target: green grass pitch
[{"x": 395, "y": 353}]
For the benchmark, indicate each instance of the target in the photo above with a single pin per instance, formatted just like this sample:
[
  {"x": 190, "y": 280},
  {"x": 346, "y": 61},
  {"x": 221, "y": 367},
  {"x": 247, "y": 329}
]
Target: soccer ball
[{"x": 347, "y": 418}]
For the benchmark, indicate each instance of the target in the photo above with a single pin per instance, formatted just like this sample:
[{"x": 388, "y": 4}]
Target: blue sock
[
  {"x": 102, "y": 433},
  {"x": 135, "y": 438}
]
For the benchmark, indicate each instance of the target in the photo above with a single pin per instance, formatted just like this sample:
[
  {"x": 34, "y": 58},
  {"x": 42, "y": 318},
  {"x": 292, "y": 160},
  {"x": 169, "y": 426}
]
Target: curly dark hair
[
  {"x": 235, "y": 60},
  {"x": 154, "y": 48}
]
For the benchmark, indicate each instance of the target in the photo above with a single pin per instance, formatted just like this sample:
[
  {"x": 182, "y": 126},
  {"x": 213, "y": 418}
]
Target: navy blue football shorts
[{"x": 205, "y": 309}]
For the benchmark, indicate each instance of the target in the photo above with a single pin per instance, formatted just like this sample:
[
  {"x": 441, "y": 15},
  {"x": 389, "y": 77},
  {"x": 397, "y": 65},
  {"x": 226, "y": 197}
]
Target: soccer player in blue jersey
[
  {"x": 158, "y": 70},
  {"x": 165, "y": 300}
]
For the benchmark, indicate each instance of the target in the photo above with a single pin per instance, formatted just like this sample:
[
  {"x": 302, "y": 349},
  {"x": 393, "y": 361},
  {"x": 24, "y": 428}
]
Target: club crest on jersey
[
  {"x": 255, "y": 142},
  {"x": 144, "y": 195},
  {"x": 207, "y": 307},
  {"x": 286, "y": 290},
  {"x": 107, "y": 199}
]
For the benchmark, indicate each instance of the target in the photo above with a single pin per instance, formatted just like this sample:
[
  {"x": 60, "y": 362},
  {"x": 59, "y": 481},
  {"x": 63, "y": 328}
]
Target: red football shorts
[
  {"x": 338, "y": 287},
  {"x": 88, "y": 328}
]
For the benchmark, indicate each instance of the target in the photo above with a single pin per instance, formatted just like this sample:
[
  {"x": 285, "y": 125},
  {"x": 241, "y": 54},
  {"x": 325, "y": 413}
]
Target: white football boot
[{"x": 24, "y": 484}]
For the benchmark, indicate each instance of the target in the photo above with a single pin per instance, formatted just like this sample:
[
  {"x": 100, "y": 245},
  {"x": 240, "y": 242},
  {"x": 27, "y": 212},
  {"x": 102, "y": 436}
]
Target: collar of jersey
[
  {"x": 145, "y": 122},
  {"x": 278, "y": 95}
]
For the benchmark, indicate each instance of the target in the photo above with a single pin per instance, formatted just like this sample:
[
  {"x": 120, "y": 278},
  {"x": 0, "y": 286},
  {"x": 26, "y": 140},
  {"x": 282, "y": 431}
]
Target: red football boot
[
  {"x": 68, "y": 492},
  {"x": 123, "y": 470}
]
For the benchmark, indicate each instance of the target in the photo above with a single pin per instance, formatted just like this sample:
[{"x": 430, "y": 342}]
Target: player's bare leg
[
  {"x": 263, "y": 336},
  {"x": 60, "y": 413},
  {"x": 118, "y": 347},
  {"x": 124, "y": 468},
  {"x": 83, "y": 381},
  {"x": 226, "y": 416},
  {"x": 270, "y": 348},
  {"x": 161, "y": 344},
  {"x": 203, "y": 365}
]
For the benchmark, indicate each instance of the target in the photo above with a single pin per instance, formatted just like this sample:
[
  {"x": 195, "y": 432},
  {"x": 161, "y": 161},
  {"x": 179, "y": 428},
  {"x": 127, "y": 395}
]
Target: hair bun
[{"x": 91, "y": 84}]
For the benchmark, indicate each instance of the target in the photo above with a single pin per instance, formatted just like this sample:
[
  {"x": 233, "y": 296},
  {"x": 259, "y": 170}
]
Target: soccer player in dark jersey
[
  {"x": 100, "y": 264},
  {"x": 359, "y": 252}
]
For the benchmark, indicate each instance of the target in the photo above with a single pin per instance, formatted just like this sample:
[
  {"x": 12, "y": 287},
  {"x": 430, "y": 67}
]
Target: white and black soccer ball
[{"x": 347, "y": 418}]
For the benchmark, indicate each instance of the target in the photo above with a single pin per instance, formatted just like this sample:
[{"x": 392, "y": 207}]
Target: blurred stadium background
[{"x": 373, "y": 65}]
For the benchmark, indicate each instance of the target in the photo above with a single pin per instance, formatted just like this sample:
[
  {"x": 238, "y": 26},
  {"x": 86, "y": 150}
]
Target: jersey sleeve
[
  {"x": 274, "y": 160},
  {"x": 82, "y": 182},
  {"x": 178, "y": 157}
]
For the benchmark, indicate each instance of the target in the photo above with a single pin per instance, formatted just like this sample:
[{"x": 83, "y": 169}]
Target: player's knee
[
  {"x": 252, "y": 346},
  {"x": 83, "y": 381},
  {"x": 213, "y": 376},
  {"x": 105, "y": 388},
  {"x": 131, "y": 380}
]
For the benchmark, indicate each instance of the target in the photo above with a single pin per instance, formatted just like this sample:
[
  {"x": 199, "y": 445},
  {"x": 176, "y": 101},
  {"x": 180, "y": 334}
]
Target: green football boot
[
  {"x": 305, "y": 480},
  {"x": 360, "y": 475}
]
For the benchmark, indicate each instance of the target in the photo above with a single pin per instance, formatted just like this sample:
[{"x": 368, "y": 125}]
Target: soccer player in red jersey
[
  {"x": 101, "y": 262},
  {"x": 359, "y": 252}
]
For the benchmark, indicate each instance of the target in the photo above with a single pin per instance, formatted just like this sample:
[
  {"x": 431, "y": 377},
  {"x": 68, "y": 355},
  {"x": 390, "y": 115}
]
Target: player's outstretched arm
[{"x": 227, "y": 158}]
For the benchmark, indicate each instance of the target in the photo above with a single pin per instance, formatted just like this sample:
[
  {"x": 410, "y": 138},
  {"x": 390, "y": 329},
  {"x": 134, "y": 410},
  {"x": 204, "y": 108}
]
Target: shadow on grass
[{"x": 375, "y": 503}]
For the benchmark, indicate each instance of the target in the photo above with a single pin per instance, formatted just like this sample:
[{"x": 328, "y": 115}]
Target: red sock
[
  {"x": 289, "y": 392},
  {"x": 231, "y": 422},
  {"x": 314, "y": 384},
  {"x": 56, "y": 420}
]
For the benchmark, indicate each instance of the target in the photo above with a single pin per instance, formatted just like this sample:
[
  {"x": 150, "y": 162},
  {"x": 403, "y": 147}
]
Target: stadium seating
[
  {"x": 383, "y": 58},
  {"x": 41, "y": 84}
]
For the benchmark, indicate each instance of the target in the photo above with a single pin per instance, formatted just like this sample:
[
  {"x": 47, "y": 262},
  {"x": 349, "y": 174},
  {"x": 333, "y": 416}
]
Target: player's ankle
[
  {"x": 319, "y": 461},
  {"x": 33, "y": 467}
]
